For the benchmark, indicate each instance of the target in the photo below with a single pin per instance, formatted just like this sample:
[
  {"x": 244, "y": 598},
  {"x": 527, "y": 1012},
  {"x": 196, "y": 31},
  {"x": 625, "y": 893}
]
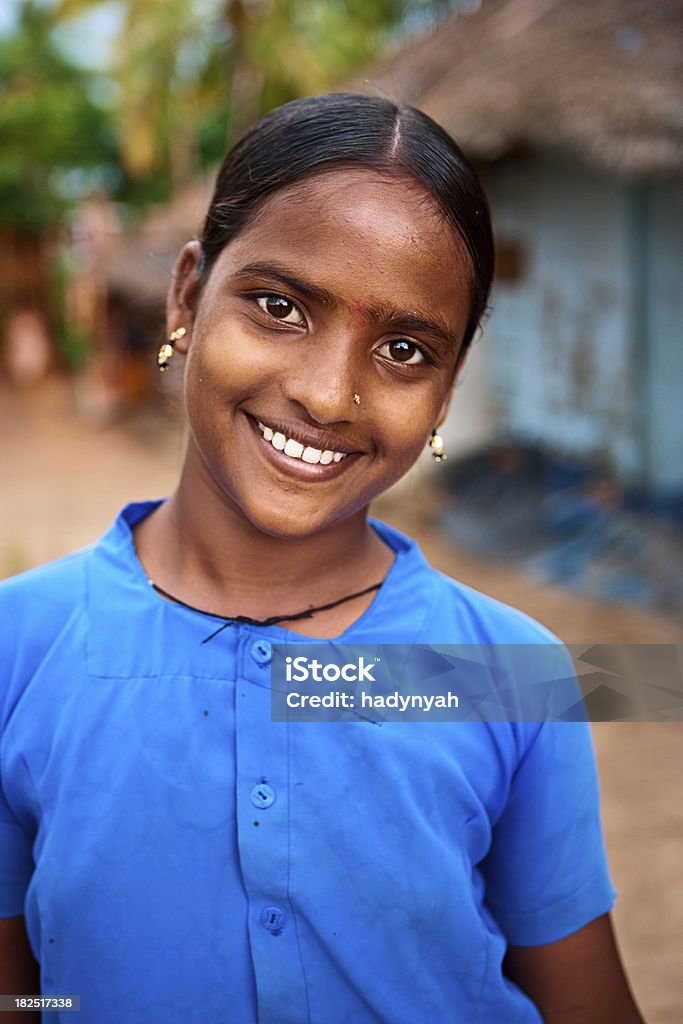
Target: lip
[{"x": 295, "y": 467}]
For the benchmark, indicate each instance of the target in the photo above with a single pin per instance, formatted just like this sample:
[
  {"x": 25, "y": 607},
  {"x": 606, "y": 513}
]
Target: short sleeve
[
  {"x": 546, "y": 874},
  {"x": 16, "y": 861}
]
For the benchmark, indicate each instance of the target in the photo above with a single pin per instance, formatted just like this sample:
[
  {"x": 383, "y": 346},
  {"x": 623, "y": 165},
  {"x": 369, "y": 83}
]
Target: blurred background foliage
[
  {"x": 50, "y": 126},
  {"x": 109, "y": 108},
  {"x": 135, "y": 99}
]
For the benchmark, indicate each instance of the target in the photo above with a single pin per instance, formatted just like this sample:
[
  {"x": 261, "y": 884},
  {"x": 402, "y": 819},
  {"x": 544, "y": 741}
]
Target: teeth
[{"x": 296, "y": 450}]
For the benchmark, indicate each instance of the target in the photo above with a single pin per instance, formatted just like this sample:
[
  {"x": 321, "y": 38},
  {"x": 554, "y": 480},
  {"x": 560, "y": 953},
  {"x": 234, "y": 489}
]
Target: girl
[{"x": 175, "y": 854}]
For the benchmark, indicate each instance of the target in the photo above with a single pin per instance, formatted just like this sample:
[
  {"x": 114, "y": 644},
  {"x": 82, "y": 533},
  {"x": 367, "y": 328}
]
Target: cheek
[
  {"x": 222, "y": 365},
  {"x": 406, "y": 429},
  {"x": 200, "y": 384}
]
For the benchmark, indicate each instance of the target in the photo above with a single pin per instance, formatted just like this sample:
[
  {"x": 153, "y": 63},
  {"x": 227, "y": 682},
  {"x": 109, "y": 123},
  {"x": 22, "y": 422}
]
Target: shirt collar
[{"x": 133, "y": 631}]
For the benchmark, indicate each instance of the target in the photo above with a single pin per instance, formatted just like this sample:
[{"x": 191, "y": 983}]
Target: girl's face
[{"x": 349, "y": 283}]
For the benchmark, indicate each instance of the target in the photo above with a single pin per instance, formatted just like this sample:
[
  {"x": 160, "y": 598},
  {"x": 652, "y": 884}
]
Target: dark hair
[{"x": 309, "y": 136}]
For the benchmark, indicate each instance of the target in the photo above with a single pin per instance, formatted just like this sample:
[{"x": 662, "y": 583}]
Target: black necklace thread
[{"x": 273, "y": 620}]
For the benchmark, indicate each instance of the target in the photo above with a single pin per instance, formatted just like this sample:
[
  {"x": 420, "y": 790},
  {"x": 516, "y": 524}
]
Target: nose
[{"x": 326, "y": 379}]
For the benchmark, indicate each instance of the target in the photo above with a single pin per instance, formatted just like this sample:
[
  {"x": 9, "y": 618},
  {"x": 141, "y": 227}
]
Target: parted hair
[{"x": 317, "y": 134}]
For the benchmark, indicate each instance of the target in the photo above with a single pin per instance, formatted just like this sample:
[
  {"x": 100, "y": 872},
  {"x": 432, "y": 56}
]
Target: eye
[
  {"x": 400, "y": 350},
  {"x": 281, "y": 309}
]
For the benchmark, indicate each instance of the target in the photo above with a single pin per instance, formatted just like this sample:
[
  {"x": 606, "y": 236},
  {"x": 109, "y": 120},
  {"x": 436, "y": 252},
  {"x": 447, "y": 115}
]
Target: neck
[{"x": 208, "y": 553}]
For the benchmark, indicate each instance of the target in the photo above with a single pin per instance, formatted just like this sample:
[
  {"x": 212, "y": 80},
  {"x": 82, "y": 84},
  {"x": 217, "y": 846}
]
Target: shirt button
[
  {"x": 273, "y": 919},
  {"x": 262, "y": 795},
  {"x": 260, "y": 652}
]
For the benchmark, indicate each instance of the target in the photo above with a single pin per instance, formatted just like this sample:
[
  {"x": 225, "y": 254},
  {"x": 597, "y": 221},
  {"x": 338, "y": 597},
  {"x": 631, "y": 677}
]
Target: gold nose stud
[{"x": 356, "y": 398}]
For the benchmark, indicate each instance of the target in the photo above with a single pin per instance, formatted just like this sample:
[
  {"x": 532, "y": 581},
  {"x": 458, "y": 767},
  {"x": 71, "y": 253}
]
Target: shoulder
[
  {"x": 43, "y": 599},
  {"x": 36, "y": 605},
  {"x": 46, "y": 613},
  {"x": 49, "y": 588},
  {"x": 485, "y": 619},
  {"x": 36, "y": 609},
  {"x": 529, "y": 672},
  {"x": 453, "y": 612}
]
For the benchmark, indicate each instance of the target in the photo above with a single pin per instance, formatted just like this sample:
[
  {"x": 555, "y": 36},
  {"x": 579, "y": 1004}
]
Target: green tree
[
  {"x": 170, "y": 67},
  {"x": 57, "y": 144},
  {"x": 55, "y": 138},
  {"x": 192, "y": 73}
]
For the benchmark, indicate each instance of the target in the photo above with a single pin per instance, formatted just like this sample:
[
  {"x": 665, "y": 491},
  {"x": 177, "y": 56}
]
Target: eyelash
[{"x": 256, "y": 297}]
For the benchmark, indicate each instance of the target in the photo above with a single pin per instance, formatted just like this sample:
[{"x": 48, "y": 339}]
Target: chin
[
  {"x": 286, "y": 524},
  {"x": 283, "y": 526}
]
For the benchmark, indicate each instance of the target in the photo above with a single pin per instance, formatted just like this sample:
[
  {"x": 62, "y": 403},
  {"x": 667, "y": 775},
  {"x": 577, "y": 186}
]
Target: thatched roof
[
  {"x": 141, "y": 262},
  {"x": 600, "y": 78}
]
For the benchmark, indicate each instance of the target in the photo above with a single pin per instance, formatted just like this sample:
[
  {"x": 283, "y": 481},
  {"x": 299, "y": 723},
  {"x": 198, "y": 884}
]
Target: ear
[{"x": 183, "y": 294}]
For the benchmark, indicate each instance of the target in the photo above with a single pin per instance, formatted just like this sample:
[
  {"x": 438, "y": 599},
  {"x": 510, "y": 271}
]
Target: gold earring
[
  {"x": 166, "y": 351},
  {"x": 436, "y": 444},
  {"x": 356, "y": 398}
]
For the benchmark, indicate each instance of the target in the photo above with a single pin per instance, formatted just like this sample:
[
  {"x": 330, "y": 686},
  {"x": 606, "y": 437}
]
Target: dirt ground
[{"x": 62, "y": 483}]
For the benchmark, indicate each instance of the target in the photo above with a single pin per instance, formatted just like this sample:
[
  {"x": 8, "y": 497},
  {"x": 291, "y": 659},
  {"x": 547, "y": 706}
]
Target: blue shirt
[{"x": 181, "y": 858}]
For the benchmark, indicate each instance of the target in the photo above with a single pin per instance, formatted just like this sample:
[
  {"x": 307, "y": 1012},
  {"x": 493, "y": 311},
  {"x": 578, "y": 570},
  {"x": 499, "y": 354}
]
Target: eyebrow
[
  {"x": 277, "y": 273},
  {"x": 376, "y": 312}
]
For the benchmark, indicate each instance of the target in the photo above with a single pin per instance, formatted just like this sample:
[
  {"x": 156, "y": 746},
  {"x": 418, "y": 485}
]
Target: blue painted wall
[
  {"x": 664, "y": 359},
  {"x": 584, "y": 349}
]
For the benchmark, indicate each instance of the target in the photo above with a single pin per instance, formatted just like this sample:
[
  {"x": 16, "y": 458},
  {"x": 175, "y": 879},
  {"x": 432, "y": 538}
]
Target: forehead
[{"x": 363, "y": 236}]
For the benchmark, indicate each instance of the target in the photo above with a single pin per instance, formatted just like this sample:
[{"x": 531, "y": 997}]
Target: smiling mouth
[{"x": 296, "y": 450}]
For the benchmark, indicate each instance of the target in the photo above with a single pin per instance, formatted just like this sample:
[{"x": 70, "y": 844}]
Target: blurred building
[
  {"x": 574, "y": 111},
  {"x": 117, "y": 294},
  {"x": 141, "y": 262}
]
